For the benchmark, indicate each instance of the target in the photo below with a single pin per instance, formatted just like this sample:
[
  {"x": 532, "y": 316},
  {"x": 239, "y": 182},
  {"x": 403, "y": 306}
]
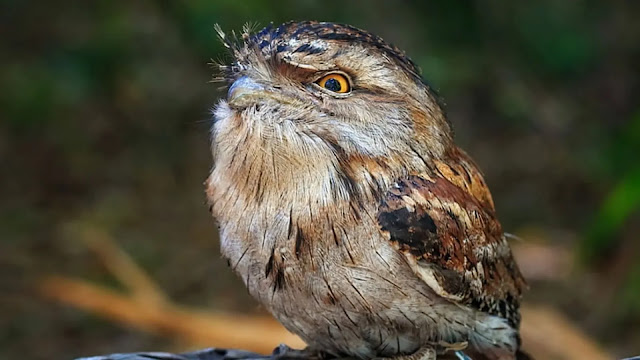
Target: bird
[{"x": 345, "y": 206}]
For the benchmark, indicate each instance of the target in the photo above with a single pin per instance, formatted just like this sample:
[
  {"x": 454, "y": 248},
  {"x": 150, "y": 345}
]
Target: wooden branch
[
  {"x": 122, "y": 266},
  {"x": 192, "y": 326},
  {"x": 282, "y": 352}
]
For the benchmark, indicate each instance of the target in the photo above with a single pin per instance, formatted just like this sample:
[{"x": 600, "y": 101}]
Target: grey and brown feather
[{"x": 354, "y": 218}]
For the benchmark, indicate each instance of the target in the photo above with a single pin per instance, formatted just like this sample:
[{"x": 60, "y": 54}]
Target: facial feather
[{"x": 316, "y": 131}]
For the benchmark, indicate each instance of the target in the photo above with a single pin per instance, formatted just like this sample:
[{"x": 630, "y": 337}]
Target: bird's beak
[{"x": 245, "y": 92}]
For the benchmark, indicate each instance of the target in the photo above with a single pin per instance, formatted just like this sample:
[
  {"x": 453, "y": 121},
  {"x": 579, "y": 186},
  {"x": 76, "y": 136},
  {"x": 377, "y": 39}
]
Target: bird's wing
[{"x": 444, "y": 223}]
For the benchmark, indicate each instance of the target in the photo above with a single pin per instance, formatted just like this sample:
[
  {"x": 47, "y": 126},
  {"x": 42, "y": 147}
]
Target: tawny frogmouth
[{"x": 345, "y": 205}]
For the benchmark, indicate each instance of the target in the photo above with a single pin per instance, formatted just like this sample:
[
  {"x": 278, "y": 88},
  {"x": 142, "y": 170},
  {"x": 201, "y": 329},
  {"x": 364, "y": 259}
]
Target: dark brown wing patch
[
  {"x": 445, "y": 225},
  {"x": 416, "y": 231}
]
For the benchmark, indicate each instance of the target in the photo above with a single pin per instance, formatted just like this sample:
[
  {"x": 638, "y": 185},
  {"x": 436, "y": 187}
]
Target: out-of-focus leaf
[
  {"x": 623, "y": 200},
  {"x": 630, "y": 295}
]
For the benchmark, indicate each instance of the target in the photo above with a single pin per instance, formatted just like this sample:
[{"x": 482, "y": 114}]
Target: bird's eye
[{"x": 335, "y": 82}]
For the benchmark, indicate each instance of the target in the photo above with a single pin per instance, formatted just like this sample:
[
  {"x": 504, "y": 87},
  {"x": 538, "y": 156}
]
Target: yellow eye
[{"x": 337, "y": 83}]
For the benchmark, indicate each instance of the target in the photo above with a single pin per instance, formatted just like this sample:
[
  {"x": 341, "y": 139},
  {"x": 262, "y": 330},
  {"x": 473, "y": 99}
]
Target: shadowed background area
[{"x": 105, "y": 114}]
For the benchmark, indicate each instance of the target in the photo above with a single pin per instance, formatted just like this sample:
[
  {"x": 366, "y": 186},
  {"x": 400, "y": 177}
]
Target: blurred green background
[{"x": 105, "y": 113}]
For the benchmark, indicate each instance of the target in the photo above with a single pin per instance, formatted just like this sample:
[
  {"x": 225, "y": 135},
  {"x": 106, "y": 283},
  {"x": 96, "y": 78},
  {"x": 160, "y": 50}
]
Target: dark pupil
[{"x": 333, "y": 85}]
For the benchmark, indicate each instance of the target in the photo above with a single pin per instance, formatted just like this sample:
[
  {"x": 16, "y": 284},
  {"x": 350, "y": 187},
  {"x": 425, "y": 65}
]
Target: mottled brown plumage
[
  {"x": 444, "y": 222},
  {"x": 346, "y": 207}
]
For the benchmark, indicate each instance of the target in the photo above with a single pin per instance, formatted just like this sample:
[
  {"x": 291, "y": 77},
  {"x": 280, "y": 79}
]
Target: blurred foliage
[{"x": 104, "y": 122}]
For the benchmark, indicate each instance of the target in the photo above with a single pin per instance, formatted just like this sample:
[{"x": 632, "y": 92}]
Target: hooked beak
[
  {"x": 245, "y": 92},
  {"x": 242, "y": 88}
]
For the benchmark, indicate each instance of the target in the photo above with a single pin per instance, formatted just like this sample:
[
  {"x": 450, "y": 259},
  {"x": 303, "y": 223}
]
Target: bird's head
[{"x": 313, "y": 96}]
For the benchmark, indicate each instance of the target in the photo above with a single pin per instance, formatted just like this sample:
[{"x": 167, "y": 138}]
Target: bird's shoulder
[{"x": 443, "y": 220}]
